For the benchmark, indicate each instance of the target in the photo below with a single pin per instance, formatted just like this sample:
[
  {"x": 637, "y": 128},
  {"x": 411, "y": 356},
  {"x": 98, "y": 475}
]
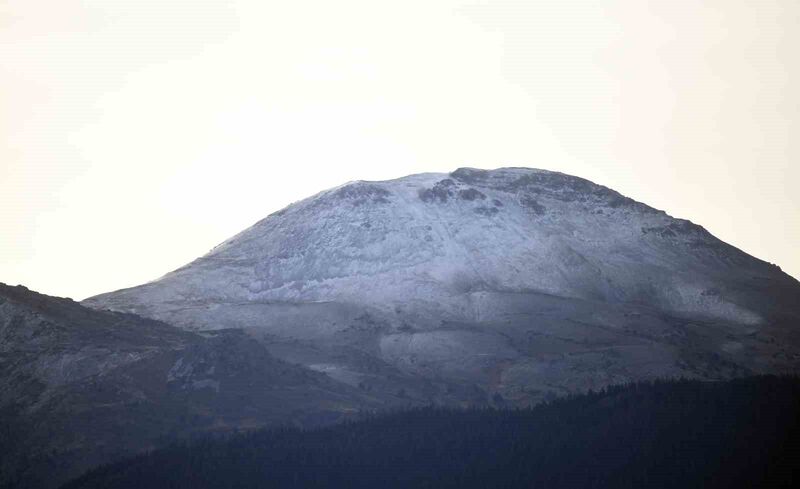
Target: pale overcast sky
[{"x": 137, "y": 134}]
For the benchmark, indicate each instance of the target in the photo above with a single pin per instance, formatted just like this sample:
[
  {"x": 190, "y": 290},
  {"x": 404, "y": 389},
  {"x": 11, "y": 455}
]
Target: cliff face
[{"x": 511, "y": 285}]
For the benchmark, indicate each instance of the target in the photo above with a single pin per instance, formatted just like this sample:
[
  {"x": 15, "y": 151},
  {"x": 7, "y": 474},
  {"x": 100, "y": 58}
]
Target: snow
[{"x": 381, "y": 244}]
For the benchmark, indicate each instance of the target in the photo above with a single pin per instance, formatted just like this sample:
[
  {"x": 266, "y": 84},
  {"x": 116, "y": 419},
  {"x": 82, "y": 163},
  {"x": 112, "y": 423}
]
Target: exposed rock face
[
  {"x": 512, "y": 285},
  {"x": 80, "y": 387}
]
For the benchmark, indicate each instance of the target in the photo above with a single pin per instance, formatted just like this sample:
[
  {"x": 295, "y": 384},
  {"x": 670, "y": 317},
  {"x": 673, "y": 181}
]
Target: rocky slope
[
  {"x": 512, "y": 285},
  {"x": 80, "y": 387}
]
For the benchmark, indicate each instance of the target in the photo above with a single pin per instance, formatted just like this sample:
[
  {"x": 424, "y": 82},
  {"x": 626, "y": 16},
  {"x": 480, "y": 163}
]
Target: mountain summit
[{"x": 510, "y": 285}]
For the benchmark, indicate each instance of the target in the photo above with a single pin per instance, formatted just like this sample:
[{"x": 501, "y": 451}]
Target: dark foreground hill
[
  {"x": 739, "y": 433},
  {"x": 80, "y": 387}
]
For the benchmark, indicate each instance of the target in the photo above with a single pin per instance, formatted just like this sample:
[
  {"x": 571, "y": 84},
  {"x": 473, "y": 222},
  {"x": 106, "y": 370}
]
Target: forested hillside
[{"x": 739, "y": 433}]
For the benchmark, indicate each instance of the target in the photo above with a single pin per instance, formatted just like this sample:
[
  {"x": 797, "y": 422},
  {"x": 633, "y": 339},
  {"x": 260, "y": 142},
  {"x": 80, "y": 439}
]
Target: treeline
[{"x": 663, "y": 434}]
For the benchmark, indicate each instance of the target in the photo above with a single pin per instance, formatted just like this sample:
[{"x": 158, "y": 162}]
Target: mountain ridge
[{"x": 79, "y": 387}]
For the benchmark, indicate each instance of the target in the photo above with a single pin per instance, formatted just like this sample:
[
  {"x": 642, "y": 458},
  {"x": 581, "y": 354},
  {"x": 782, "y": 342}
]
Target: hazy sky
[{"x": 137, "y": 134}]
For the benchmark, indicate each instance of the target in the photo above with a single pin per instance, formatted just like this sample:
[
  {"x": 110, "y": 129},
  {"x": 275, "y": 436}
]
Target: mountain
[
  {"x": 508, "y": 286},
  {"x": 80, "y": 387}
]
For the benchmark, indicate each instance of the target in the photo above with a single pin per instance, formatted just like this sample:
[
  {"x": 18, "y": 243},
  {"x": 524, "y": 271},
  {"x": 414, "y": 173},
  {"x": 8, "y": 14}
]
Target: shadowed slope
[{"x": 80, "y": 387}]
